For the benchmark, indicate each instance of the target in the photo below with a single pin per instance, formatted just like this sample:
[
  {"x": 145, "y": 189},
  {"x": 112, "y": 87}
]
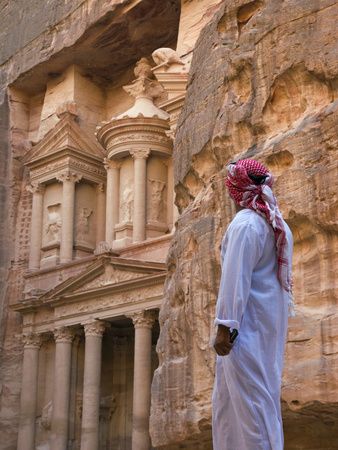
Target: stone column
[
  {"x": 91, "y": 385},
  {"x": 112, "y": 198},
  {"x": 68, "y": 180},
  {"x": 60, "y": 417},
  {"x": 36, "y": 225},
  {"x": 140, "y": 187},
  {"x": 100, "y": 213},
  {"x": 143, "y": 323},
  {"x": 29, "y": 388}
]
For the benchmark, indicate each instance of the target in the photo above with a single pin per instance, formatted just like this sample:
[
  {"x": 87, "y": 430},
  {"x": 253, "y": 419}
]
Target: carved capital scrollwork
[
  {"x": 143, "y": 319},
  {"x": 68, "y": 175},
  {"x": 64, "y": 334},
  {"x": 111, "y": 164},
  {"x": 96, "y": 328},
  {"x": 32, "y": 340},
  {"x": 35, "y": 188},
  {"x": 100, "y": 188},
  {"x": 140, "y": 154}
]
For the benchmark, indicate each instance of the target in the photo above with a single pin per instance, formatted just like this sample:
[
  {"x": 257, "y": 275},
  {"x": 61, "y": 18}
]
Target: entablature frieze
[{"x": 51, "y": 171}]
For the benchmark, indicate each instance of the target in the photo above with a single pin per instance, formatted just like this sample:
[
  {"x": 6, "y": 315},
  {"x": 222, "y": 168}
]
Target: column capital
[
  {"x": 96, "y": 328},
  {"x": 140, "y": 153},
  {"x": 68, "y": 175},
  {"x": 64, "y": 334},
  {"x": 100, "y": 188},
  {"x": 143, "y": 319},
  {"x": 35, "y": 188},
  {"x": 31, "y": 340},
  {"x": 111, "y": 164}
]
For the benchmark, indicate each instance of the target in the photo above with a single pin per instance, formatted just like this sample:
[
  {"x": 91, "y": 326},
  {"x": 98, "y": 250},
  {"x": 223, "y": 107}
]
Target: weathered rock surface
[{"x": 263, "y": 83}]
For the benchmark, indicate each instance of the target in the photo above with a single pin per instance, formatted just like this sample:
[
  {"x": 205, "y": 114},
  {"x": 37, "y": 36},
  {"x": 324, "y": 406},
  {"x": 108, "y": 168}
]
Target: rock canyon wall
[{"x": 263, "y": 83}]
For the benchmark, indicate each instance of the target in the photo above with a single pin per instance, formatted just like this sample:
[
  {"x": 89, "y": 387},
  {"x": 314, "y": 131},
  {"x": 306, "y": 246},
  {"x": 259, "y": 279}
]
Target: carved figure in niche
[
  {"x": 82, "y": 227},
  {"x": 46, "y": 416},
  {"x": 53, "y": 228},
  {"x": 165, "y": 57},
  {"x": 127, "y": 205},
  {"x": 156, "y": 200}
]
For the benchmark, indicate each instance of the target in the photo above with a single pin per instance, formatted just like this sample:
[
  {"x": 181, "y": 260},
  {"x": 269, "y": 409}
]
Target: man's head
[{"x": 246, "y": 175}]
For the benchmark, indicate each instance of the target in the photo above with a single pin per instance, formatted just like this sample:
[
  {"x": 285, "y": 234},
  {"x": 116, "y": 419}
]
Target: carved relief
[
  {"x": 156, "y": 200},
  {"x": 110, "y": 276},
  {"x": 54, "y": 223},
  {"x": 127, "y": 205},
  {"x": 165, "y": 57},
  {"x": 46, "y": 416},
  {"x": 64, "y": 334},
  {"x": 82, "y": 226}
]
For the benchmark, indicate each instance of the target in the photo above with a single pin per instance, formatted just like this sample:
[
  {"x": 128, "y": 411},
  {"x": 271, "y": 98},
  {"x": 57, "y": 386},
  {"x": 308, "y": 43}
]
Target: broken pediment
[
  {"x": 66, "y": 146},
  {"x": 104, "y": 273}
]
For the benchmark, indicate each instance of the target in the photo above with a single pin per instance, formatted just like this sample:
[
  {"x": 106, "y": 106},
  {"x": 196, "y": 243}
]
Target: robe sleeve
[{"x": 240, "y": 251}]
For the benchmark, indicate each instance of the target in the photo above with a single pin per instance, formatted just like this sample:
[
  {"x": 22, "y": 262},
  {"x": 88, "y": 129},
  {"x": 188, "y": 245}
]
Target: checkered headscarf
[{"x": 249, "y": 184}]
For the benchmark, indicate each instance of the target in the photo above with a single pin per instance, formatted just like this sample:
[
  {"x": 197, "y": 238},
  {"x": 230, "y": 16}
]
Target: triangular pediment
[
  {"x": 105, "y": 272},
  {"x": 66, "y": 135}
]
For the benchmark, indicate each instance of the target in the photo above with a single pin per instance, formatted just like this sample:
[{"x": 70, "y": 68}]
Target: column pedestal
[
  {"x": 29, "y": 388},
  {"x": 91, "y": 385},
  {"x": 143, "y": 322}
]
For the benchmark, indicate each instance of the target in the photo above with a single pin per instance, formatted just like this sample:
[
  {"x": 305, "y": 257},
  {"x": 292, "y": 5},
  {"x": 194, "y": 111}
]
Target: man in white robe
[{"x": 254, "y": 295}]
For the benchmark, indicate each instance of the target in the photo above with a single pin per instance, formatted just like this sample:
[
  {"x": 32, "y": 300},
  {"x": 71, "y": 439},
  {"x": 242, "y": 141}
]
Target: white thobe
[{"x": 246, "y": 396}]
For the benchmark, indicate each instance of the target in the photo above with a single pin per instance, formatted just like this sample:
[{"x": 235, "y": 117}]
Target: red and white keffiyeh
[{"x": 259, "y": 197}]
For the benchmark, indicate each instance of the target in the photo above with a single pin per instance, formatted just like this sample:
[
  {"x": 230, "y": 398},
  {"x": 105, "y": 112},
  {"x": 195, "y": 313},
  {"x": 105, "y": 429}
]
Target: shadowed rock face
[{"x": 263, "y": 84}]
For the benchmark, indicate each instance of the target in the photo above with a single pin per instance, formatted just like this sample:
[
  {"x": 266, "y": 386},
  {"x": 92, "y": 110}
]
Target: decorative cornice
[
  {"x": 64, "y": 335},
  {"x": 32, "y": 340},
  {"x": 143, "y": 319},
  {"x": 96, "y": 328},
  {"x": 74, "y": 177},
  {"x": 139, "y": 153}
]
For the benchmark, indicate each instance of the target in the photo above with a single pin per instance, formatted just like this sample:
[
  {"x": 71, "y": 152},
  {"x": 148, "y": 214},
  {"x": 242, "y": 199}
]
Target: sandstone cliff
[{"x": 263, "y": 83}]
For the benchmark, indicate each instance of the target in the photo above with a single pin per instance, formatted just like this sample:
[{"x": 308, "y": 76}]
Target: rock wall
[{"x": 263, "y": 83}]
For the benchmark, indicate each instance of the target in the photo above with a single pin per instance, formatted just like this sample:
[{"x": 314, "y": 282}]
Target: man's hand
[{"x": 222, "y": 344}]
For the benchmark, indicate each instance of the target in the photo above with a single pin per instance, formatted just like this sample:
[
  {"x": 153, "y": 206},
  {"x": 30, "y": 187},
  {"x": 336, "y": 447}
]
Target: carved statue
[
  {"x": 156, "y": 201},
  {"x": 83, "y": 222},
  {"x": 165, "y": 57},
  {"x": 143, "y": 69},
  {"x": 46, "y": 416},
  {"x": 127, "y": 205},
  {"x": 53, "y": 228}
]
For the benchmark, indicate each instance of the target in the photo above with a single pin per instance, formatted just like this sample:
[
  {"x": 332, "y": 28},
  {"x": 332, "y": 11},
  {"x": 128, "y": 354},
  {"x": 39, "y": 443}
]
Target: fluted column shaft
[
  {"x": 91, "y": 386},
  {"x": 143, "y": 322},
  {"x": 140, "y": 185},
  {"x": 36, "y": 225},
  {"x": 100, "y": 213},
  {"x": 29, "y": 388},
  {"x": 68, "y": 180},
  {"x": 112, "y": 198},
  {"x": 60, "y": 418}
]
